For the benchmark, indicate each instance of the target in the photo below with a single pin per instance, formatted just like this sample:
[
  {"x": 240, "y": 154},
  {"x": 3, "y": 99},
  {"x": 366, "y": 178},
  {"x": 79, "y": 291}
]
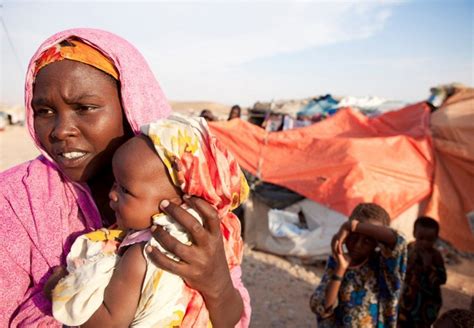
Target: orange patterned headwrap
[{"x": 76, "y": 50}]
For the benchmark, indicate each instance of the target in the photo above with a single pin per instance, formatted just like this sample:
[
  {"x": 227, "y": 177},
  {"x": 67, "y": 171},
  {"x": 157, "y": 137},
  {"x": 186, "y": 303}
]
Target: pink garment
[{"x": 41, "y": 212}]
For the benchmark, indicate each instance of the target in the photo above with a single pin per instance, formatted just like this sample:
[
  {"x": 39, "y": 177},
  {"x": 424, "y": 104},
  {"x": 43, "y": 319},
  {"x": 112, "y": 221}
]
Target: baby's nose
[{"x": 112, "y": 193}]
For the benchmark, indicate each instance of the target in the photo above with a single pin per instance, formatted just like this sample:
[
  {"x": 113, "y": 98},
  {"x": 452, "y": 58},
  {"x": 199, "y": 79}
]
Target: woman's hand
[
  {"x": 59, "y": 272},
  {"x": 203, "y": 265}
]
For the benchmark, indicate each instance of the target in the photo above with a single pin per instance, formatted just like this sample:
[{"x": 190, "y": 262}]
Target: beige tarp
[{"x": 453, "y": 188}]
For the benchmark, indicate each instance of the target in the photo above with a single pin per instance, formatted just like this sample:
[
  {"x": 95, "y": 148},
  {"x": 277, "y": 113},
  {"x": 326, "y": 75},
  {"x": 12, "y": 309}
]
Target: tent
[
  {"x": 344, "y": 160},
  {"x": 335, "y": 164},
  {"x": 407, "y": 161},
  {"x": 452, "y": 200}
]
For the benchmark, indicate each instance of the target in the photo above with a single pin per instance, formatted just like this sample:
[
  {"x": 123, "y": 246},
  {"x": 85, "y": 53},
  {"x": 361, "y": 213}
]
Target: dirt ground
[{"x": 279, "y": 287}]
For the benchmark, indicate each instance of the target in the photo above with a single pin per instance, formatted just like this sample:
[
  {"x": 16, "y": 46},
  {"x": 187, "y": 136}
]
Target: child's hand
[
  {"x": 59, "y": 272},
  {"x": 340, "y": 238},
  {"x": 343, "y": 261}
]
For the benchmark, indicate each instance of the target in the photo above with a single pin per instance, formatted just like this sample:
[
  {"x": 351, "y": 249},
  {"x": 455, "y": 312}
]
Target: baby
[
  {"x": 110, "y": 277},
  {"x": 421, "y": 299}
]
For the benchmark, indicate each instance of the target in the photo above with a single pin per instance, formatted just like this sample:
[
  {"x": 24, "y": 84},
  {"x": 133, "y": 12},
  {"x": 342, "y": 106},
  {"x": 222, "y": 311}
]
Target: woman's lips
[{"x": 71, "y": 159}]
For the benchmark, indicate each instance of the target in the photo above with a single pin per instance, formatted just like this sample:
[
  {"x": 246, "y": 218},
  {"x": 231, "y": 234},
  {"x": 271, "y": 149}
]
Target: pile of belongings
[
  {"x": 285, "y": 115},
  {"x": 412, "y": 161}
]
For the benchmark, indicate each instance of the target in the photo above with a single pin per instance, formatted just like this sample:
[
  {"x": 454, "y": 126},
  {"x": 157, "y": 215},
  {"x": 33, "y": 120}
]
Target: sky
[{"x": 237, "y": 52}]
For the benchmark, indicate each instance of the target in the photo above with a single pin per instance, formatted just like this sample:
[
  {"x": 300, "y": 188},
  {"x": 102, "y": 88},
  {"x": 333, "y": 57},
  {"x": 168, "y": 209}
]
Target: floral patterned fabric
[
  {"x": 369, "y": 295},
  {"x": 200, "y": 166}
]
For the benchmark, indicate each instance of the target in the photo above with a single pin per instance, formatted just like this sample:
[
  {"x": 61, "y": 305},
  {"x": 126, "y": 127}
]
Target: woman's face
[
  {"x": 78, "y": 117},
  {"x": 234, "y": 113}
]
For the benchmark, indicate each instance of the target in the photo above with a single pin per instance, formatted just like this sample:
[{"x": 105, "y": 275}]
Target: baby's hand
[{"x": 58, "y": 273}]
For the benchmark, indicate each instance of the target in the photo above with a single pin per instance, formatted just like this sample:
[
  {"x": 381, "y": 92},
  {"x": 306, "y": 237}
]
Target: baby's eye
[{"x": 124, "y": 190}]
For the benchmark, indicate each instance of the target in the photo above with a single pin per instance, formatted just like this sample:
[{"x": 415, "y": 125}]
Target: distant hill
[{"x": 194, "y": 108}]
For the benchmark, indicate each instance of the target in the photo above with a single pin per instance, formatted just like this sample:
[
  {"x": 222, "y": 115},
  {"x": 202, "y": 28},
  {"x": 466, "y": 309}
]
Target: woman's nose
[{"x": 64, "y": 127}]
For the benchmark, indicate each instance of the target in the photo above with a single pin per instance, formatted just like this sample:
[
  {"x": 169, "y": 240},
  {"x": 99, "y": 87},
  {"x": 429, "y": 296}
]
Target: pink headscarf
[
  {"x": 41, "y": 211},
  {"x": 142, "y": 98}
]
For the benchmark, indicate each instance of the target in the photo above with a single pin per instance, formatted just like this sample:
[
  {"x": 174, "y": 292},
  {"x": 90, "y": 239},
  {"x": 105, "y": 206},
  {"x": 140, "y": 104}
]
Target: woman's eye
[
  {"x": 85, "y": 108},
  {"x": 43, "y": 112}
]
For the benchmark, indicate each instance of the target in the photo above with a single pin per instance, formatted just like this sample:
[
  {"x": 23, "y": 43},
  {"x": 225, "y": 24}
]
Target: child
[
  {"x": 111, "y": 279},
  {"x": 421, "y": 298},
  {"x": 361, "y": 288}
]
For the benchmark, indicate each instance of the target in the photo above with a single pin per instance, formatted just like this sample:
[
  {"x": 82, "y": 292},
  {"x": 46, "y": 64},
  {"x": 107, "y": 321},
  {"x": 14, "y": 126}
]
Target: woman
[
  {"x": 234, "y": 112},
  {"x": 79, "y": 109}
]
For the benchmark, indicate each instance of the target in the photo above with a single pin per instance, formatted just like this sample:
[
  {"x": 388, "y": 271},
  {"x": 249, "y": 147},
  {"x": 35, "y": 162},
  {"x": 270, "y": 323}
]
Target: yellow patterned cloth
[
  {"x": 201, "y": 166},
  {"x": 91, "y": 263},
  {"x": 78, "y": 51}
]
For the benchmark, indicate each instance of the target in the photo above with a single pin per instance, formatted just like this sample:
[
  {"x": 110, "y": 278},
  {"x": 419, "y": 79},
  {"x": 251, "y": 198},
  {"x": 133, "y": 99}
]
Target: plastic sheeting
[
  {"x": 279, "y": 231},
  {"x": 453, "y": 189},
  {"x": 344, "y": 160}
]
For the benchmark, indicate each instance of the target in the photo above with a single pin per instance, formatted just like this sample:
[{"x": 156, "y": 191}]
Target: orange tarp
[
  {"x": 453, "y": 189},
  {"x": 343, "y": 160}
]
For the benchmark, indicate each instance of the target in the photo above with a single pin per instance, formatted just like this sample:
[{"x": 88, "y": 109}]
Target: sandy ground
[{"x": 279, "y": 287}]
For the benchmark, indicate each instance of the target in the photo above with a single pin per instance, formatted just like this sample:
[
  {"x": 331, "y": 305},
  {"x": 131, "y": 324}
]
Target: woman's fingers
[
  {"x": 209, "y": 214},
  {"x": 171, "y": 244},
  {"x": 164, "y": 262},
  {"x": 189, "y": 222}
]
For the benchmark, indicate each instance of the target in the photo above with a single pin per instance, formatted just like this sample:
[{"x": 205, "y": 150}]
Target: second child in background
[
  {"x": 361, "y": 287},
  {"x": 421, "y": 299}
]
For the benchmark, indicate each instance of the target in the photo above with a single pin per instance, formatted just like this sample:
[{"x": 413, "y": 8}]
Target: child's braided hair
[{"x": 370, "y": 211}]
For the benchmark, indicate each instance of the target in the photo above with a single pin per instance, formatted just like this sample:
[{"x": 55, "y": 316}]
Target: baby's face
[{"x": 141, "y": 183}]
